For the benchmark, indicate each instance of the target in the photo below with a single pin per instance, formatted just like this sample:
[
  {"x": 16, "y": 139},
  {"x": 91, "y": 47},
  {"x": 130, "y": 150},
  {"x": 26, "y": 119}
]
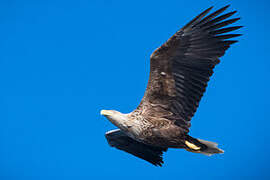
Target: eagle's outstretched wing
[
  {"x": 118, "y": 139},
  {"x": 181, "y": 68}
]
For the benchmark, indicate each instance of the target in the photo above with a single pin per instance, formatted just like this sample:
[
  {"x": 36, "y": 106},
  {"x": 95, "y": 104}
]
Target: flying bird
[{"x": 179, "y": 72}]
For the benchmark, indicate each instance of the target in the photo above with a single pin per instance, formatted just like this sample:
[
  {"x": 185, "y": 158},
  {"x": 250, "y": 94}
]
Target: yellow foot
[{"x": 192, "y": 146}]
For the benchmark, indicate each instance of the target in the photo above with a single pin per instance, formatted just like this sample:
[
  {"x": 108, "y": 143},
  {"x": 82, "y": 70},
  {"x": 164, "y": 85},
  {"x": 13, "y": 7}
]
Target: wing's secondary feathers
[{"x": 120, "y": 140}]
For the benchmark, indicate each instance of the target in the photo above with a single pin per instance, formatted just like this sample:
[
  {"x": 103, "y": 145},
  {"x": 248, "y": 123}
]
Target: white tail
[{"x": 211, "y": 148}]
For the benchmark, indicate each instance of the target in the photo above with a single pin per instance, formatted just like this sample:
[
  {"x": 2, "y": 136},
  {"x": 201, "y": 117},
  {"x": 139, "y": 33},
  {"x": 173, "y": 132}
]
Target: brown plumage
[{"x": 179, "y": 72}]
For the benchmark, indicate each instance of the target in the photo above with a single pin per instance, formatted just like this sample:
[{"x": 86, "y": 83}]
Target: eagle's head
[{"x": 117, "y": 118}]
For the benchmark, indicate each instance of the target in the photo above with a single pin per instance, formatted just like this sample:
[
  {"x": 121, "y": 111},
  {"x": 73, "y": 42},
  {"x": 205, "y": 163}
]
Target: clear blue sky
[{"x": 61, "y": 62}]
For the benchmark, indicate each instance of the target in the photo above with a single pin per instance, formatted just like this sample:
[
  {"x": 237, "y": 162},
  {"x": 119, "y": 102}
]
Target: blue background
[{"x": 61, "y": 62}]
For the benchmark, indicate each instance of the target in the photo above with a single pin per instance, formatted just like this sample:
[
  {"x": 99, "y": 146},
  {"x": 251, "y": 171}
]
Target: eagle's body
[
  {"x": 179, "y": 72},
  {"x": 156, "y": 130}
]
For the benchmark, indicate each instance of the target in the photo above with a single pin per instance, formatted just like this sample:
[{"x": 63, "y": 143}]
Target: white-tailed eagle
[{"x": 179, "y": 72}]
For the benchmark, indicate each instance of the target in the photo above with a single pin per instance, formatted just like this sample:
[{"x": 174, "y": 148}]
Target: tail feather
[
  {"x": 211, "y": 148},
  {"x": 201, "y": 146}
]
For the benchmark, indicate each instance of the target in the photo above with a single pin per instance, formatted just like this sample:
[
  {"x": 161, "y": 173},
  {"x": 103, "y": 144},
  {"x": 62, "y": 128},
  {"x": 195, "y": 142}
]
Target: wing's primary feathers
[{"x": 181, "y": 68}]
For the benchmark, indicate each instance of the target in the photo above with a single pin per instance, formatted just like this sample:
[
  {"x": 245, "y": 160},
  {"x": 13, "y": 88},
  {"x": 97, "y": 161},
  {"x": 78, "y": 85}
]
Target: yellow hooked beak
[{"x": 105, "y": 112}]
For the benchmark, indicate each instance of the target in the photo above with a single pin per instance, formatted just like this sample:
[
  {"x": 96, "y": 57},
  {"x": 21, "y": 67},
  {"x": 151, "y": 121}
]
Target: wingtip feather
[{"x": 198, "y": 17}]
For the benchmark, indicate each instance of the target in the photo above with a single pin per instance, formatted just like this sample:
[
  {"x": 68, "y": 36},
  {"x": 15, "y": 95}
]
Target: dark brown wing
[
  {"x": 180, "y": 69},
  {"x": 120, "y": 140}
]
